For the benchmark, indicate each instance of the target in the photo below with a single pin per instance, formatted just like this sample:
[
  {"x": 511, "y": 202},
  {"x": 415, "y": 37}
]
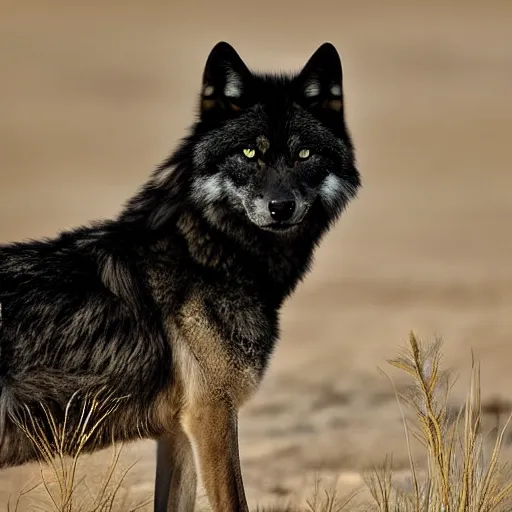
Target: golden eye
[
  {"x": 249, "y": 153},
  {"x": 303, "y": 154}
]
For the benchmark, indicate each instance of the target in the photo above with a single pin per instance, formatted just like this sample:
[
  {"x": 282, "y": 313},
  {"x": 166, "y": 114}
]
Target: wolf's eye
[
  {"x": 249, "y": 153},
  {"x": 304, "y": 154}
]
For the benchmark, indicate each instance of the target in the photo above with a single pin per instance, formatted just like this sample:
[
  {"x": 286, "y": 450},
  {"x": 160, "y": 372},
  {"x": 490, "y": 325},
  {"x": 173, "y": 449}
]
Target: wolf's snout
[{"x": 281, "y": 211}]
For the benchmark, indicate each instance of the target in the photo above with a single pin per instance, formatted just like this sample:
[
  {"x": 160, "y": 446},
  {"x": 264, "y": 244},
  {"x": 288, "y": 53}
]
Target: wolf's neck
[{"x": 275, "y": 265}]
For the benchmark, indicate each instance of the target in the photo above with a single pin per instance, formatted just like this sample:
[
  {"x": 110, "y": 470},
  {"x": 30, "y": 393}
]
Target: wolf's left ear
[
  {"x": 320, "y": 83},
  {"x": 226, "y": 79}
]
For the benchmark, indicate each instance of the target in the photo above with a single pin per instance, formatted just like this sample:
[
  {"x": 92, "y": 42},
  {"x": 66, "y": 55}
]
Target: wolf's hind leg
[{"x": 176, "y": 481}]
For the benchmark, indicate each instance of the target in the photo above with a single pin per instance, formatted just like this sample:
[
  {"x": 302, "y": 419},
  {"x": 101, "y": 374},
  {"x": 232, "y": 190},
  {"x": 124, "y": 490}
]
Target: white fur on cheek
[
  {"x": 207, "y": 190},
  {"x": 332, "y": 190}
]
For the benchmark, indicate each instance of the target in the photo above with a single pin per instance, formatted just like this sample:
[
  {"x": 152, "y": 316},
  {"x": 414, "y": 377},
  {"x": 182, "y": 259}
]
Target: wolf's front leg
[
  {"x": 176, "y": 481},
  {"x": 213, "y": 431}
]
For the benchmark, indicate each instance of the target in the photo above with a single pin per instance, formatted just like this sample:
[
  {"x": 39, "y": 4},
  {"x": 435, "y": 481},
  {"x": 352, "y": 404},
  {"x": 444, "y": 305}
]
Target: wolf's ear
[
  {"x": 226, "y": 79},
  {"x": 320, "y": 83}
]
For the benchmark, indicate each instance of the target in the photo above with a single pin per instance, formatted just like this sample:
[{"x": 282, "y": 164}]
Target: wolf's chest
[{"x": 223, "y": 345}]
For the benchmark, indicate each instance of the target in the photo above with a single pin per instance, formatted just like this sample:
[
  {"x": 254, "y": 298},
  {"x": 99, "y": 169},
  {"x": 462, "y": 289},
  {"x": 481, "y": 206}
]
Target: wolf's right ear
[
  {"x": 226, "y": 79},
  {"x": 321, "y": 81}
]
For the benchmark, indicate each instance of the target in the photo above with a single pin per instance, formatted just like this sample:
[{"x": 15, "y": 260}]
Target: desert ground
[{"x": 94, "y": 94}]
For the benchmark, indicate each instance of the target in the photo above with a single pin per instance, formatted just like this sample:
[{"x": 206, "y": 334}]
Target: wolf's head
[{"x": 268, "y": 152}]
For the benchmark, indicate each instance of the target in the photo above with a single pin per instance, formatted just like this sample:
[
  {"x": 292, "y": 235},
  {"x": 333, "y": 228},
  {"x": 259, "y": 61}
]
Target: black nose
[{"x": 281, "y": 211}]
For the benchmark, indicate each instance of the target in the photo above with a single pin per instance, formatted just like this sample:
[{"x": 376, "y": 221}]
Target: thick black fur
[{"x": 87, "y": 310}]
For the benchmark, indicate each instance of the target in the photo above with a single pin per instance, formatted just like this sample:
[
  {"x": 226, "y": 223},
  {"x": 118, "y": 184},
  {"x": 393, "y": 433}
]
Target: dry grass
[
  {"x": 62, "y": 453},
  {"x": 323, "y": 500},
  {"x": 457, "y": 476}
]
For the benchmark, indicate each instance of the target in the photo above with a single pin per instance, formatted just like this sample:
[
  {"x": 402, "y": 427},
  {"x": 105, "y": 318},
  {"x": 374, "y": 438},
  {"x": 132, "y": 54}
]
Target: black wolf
[{"x": 174, "y": 305}]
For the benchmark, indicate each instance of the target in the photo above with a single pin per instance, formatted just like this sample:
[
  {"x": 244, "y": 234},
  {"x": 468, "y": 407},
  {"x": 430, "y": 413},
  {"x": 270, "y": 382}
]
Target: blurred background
[{"x": 93, "y": 95}]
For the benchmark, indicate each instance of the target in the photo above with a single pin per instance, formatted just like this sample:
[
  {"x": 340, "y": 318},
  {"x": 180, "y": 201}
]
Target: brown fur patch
[
  {"x": 204, "y": 369},
  {"x": 207, "y": 104},
  {"x": 206, "y": 363},
  {"x": 336, "y": 105},
  {"x": 262, "y": 143}
]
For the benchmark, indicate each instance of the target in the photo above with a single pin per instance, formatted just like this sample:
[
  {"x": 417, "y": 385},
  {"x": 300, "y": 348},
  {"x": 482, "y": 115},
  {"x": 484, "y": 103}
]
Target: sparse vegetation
[
  {"x": 61, "y": 454},
  {"x": 458, "y": 476}
]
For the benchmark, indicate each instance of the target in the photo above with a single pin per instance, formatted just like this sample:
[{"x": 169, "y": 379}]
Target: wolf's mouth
[{"x": 280, "y": 226}]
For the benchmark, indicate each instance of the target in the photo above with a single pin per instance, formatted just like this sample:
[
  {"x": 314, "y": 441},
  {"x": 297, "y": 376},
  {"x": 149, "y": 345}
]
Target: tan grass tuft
[
  {"x": 61, "y": 453},
  {"x": 458, "y": 478}
]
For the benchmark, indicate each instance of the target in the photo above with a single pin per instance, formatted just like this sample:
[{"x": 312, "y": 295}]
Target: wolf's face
[{"x": 272, "y": 150}]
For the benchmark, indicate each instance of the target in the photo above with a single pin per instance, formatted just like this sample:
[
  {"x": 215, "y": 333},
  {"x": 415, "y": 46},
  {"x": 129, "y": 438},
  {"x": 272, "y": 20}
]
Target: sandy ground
[{"x": 93, "y": 96}]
